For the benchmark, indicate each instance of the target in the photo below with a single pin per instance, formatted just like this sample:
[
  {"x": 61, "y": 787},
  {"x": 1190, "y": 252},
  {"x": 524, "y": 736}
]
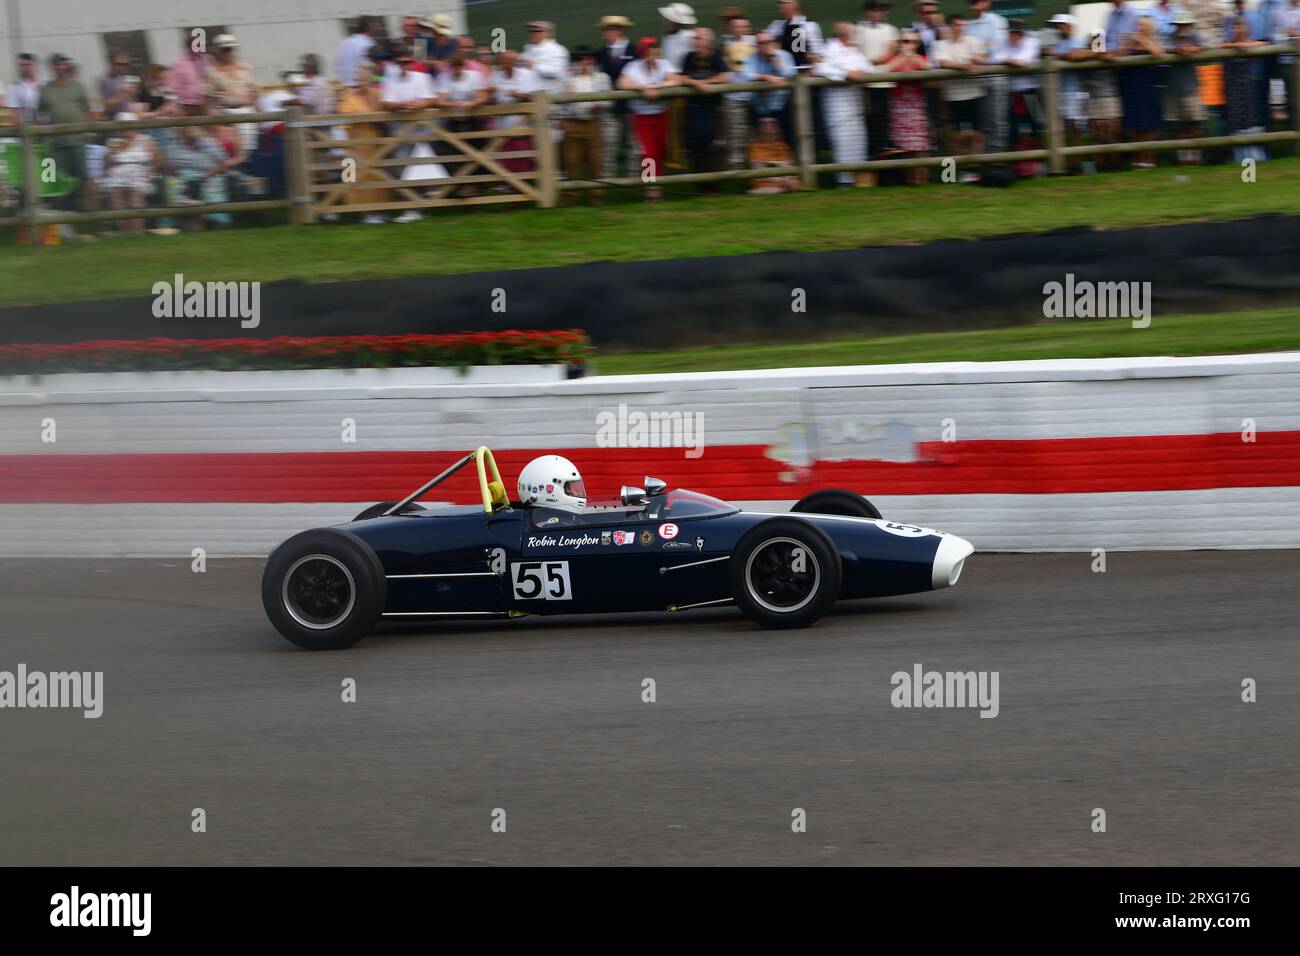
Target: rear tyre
[
  {"x": 785, "y": 573},
  {"x": 324, "y": 590},
  {"x": 836, "y": 501},
  {"x": 374, "y": 511}
]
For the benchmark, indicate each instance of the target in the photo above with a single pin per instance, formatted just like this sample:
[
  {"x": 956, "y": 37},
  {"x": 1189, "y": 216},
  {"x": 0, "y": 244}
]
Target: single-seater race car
[{"x": 554, "y": 552}]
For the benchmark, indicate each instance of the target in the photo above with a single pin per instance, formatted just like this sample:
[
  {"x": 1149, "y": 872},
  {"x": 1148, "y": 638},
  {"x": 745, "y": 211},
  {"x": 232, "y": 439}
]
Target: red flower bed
[{"x": 458, "y": 350}]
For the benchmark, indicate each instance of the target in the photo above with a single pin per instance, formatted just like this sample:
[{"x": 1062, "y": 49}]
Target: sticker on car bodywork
[
  {"x": 668, "y": 531},
  {"x": 906, "y": 530},
  {"x": 541, "y": 580}
]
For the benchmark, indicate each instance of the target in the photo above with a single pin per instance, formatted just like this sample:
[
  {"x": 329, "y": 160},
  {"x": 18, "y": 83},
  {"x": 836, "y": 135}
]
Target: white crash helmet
[{"x": 553, "y": 482}]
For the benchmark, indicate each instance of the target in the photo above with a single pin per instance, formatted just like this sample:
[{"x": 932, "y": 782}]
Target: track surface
[{"x": 1118, "y": 690}]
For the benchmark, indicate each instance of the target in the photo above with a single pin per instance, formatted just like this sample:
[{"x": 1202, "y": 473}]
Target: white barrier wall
[{"x": 1059, "y": 455}]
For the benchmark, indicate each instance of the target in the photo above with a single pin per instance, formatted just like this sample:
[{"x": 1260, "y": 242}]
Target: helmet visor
[{"x": 575, "y": 488}]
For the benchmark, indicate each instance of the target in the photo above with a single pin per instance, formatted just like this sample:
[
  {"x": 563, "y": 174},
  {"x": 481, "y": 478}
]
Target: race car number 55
[{"x": 545, "y": 580}]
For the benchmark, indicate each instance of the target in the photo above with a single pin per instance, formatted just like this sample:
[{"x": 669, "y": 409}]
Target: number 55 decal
[{"x": 541, "y": 580}]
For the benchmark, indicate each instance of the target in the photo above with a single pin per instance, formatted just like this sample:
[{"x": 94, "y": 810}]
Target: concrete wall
[{"x": 1142, "y": 453}]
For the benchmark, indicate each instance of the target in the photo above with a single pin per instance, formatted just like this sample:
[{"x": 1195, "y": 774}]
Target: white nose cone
[{"x": 948, "y": 560}]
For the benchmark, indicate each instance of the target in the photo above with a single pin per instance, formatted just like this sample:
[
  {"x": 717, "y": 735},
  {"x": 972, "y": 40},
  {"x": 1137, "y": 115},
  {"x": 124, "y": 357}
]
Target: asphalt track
[{"x": 1118, "y": 690}]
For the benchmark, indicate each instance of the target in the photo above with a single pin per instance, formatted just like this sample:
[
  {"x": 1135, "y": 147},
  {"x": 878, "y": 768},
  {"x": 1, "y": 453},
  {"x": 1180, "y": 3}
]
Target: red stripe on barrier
[{"x": 733, "y": 472}]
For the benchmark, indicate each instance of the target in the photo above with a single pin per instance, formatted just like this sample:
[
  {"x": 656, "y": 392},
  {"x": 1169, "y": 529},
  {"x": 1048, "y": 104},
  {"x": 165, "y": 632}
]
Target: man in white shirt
[
  {"x": 960, "y": 51},
  {"x": 353, "y": 51},
  {"x": 544, "y": 56},
  {"x": 24, "y": 96},
  {"x": 1026, "y": 114},
  {"x": 409, "y": 91},
  {"x": 679, "y": 38},
  {"x": 514, "y": 85},
  {"x": 843, "y": 107},
  {"x": 550, "y": 61},
  {"x": 877, "y": 38}
]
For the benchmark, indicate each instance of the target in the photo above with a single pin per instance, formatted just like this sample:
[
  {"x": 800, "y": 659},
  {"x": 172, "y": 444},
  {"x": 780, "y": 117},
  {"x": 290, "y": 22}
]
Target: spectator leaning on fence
[
  {"x": 1182, "y": 88},
  {"x": 549, "y": 60},
  {"x": 1024, "y": 112},
  {"x": 737, "y": 46},
  {"x": 771, "y": 65},
  {"x": 909, "y": 114},
  {"x": 1241, "y": 112},
  {"x": 1286, "y": 29},
  {"x": 461, "y": 90},
  {"x": 1105, "y": 109},
  {"x": 1140, "y": 93},
  {"x": 845, "y": 120},
  {"x": 877, "y": 38},
  {"x": 1069, "y": 48},
  {"x": 960, "y": 51},
  {"x": 703, "y": 68},
  {"x": 360, "y": 96},
  {"x": 131, "y": 164},
  {"x": 514, "y": 85},
  {"x": 649, "y": 74},
  {"x": 64, "y": 100},
  {"x": 991, "y": 29},
  {"x": 581, "y": 122},
  {"x": 411, "y": 91},
  {"x": 24, "y": 96},
  {"x": 615, "y": 53}
]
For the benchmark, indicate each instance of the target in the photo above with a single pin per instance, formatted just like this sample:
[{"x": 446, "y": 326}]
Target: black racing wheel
[
  {"x": 324, "y": 589},
  {"x": 836, "y": 501},
  {"x": 785, "y": 573}
]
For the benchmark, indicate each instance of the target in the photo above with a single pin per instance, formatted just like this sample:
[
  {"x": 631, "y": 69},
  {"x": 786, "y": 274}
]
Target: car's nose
[{"x": 948, "y": 560}]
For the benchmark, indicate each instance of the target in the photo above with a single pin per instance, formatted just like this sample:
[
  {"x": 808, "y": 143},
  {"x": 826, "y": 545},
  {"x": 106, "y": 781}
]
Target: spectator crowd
[{"x": 428, "y": 66}]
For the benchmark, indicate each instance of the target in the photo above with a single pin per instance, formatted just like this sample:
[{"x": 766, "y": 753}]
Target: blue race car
[{"x": 554, "y": 552}]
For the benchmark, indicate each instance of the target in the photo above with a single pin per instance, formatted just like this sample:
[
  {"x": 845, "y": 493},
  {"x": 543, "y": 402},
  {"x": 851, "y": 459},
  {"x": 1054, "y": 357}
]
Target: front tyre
[
  {"x": 836, "y": 501},
  {"x": 785, "y": 573},
  {"x": 324, "y": 589}
]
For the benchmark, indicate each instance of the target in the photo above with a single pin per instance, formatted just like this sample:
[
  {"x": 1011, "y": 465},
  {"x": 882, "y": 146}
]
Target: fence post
[
  {"x": 547, "y": 172},
  {"x": 1293, "y": 95},
  {"x": 302, "y": 207},
  {"x": 1052, "y": 111},
  {"x": 805, "y": 145},
  {"x": 32, "y": 211}
]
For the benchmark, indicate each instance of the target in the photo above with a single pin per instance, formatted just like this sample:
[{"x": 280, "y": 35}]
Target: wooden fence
[{"x": 507, "y": 154}]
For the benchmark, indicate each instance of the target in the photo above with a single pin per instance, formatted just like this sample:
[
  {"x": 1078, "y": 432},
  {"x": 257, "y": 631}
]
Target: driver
[{"x": 552, "y": 483}]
